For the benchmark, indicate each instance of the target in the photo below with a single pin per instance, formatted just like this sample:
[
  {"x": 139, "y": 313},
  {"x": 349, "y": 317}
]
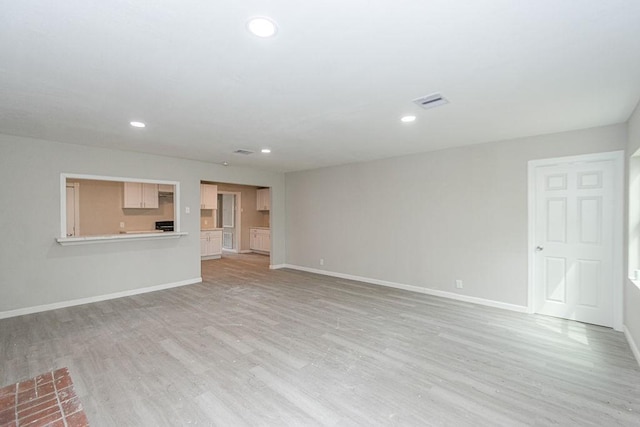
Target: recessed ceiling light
[
  {"x": 408, "y": 119},
  {"x": 262, "y": 27},
  {"x": 225, "y": 163},
  {"x": 266, "y": 150},
  {"x": 137, "y": 124}
]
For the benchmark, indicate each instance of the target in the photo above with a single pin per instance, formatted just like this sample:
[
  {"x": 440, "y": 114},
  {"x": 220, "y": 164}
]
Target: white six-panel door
[{"x": 574, "y": 226}]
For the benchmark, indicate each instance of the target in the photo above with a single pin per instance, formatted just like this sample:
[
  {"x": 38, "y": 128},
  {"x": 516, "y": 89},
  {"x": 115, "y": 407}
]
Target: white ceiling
[{"x": 330, "y": 88}]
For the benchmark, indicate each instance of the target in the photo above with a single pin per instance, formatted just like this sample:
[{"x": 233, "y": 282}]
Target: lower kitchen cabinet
[
  {"x": 211, "y": 244},
  {"x": 260, "y": 240}
]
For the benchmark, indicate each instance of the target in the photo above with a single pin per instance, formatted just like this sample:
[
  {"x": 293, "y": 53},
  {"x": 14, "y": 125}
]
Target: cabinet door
[
  {"x": 208, "y": 196},
  {"x": 203, "y": 244},
  {"x": 139, "y": 195},
  {"x": 132, "y": 195},
  {"x": 150, "y": 196},
  {"x": 215, "y": 243},
  {"x": 263, "y": 199},
  {"x": 253, "y": 240},
  {"x": 266, "y": 241}
]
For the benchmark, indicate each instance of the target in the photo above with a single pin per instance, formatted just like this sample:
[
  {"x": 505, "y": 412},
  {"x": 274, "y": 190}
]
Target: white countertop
[
  {"x": 65, "y": 241},
  {"x": 210, "y": 229}
]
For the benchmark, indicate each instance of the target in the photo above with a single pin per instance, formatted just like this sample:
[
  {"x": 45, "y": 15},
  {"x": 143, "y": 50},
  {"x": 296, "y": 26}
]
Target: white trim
[
  {"x": 76, "y": 207},
  {"x": 109, "y": 238},
  {"x": 618, "y": 193},
  {"x": 277, "y": 266},
  {"x": 632, "y": 343},
  {"x": 89, "y": 300},
  {"x": 413, "y": 288},
  {"x": 246, "y": 251}
]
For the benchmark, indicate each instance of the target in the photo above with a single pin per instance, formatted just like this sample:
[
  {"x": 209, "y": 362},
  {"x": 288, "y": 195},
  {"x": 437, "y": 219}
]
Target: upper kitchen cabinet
[
  {"x": 139, "y": 195},
  {"x": 263, "y": 199},
  {"x": 208, "y": 196}
]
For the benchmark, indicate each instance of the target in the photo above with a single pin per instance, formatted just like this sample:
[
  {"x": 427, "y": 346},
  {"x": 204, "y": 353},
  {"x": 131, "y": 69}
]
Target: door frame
[
  {"x": 76, "y": 207},
  {"x": 618, "y": 217},
  {"x": 238, "y": 220}
]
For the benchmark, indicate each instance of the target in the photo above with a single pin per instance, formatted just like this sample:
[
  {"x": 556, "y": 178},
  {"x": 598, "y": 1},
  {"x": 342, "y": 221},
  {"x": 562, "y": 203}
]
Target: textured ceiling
[{"x": 330, "y": 88}]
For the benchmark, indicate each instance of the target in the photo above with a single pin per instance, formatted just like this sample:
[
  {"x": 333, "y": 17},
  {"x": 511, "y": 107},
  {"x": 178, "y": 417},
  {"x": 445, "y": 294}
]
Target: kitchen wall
[
  {"x": 429, "y": 219},
  {"x": 36, "y": 271},
  {"x": 101, "y": 209},
  {"x": 631, "y": 288}
]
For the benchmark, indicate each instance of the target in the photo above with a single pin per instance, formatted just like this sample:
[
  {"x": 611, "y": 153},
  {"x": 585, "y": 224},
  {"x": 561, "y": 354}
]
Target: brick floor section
[{"x": 46, "y": 400}]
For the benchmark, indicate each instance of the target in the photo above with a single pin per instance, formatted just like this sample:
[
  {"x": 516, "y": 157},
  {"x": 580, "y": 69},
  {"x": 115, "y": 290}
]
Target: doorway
[
  {"x": 229, "y": 219},
  {"x": 575, "y": 238}
]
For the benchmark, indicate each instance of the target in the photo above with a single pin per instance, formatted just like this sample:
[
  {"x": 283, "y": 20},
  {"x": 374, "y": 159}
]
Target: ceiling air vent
[
  {"x": 431, "y": 101},
  {"x": 242, "y": 151}
]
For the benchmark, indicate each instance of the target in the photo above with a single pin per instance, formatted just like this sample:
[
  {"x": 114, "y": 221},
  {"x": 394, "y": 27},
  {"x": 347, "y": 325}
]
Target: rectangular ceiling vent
[
  {"x": 243, "y": 151},
  {"x": 431, "y": 101}
]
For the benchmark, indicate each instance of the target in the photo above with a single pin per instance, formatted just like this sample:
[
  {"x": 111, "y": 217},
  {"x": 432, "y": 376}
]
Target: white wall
[
  {"x": 429, "y": 219},
  {"x": 631, "y": 290},
  {"x": 35, "y": 270}
]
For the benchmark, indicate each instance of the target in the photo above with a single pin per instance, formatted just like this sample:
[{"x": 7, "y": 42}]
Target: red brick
[
  {"x": 8, "y": 401},
  {"x": 45, "y": 421},
  {"x": 63, "y": 382},
  {"x": 66, "y": 394},
  {"x": 27, "y": 395},
  {"x": 9, "y": 389},
  {"x": 11, "y": 424},
  {"x": 44, "y": 378},
  {"x": 71, "y": 406},
  {"x": 26, "y": 385},
  {"x": 53, "y": 410},
  {"x": 7, "y": 416},
  {"x": 58, "y": 423},
  {"x": 44, "y": 389},
  {"x": 40, "y": 400},
  {"x": 28, "y": 410},
  {"x": 62, "y": 372},
  {"x": 79, "y": 419}
]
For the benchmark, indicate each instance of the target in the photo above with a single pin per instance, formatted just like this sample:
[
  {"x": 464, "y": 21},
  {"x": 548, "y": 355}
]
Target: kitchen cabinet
[
  {"x": 260, "y": 239},
  {"x": 208, "y": 196},
  {"x": 140, "y": 195},
  {"x": 263, "y": 199},
  {"x": 211, "y": 244}
]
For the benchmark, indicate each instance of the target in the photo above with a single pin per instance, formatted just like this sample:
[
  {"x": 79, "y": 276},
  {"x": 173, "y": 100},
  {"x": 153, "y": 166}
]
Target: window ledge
[{"x": 68, "y": 241}]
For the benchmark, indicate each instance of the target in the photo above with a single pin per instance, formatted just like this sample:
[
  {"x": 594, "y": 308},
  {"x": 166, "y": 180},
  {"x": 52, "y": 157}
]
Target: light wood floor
[{"x": 251, "y": 346}]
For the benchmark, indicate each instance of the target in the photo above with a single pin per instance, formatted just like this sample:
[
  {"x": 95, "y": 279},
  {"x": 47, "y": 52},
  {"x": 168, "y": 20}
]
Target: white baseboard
[
  {"x": 277, "y": 266},
  {"x": 71, "y": 303},
  {"x": 246, "y": 251},
  {"x": 412, "y": 288},
  {"x": 632, "y": 343}
]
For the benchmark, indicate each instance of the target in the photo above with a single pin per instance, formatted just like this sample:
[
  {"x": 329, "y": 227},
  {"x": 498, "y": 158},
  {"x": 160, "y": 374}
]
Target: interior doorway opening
[
  {"x": 239, "y": 219},
  {"x": 229, "y": 219}
]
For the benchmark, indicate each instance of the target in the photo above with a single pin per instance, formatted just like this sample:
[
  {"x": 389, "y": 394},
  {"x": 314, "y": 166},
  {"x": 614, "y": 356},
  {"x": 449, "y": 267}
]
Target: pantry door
[{"x": 575, "y": 212}]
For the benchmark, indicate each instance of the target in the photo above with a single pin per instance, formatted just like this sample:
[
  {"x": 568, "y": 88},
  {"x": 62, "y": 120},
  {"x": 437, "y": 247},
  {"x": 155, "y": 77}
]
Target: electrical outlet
[
  {"x": 321, "y": 261},
  {"x": 206, "y": 222},
  {"x": 459, "y": 284},
  {"x": 187, "y": 209},
  {"x": 122, "y": 225}
]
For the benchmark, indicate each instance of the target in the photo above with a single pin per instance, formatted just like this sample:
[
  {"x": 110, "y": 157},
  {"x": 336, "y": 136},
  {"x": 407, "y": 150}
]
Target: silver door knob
[{"x": 539, "y": 248}]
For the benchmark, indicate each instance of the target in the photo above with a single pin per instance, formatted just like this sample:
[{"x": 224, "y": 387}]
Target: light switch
[{"x": 187, "y": 209}]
